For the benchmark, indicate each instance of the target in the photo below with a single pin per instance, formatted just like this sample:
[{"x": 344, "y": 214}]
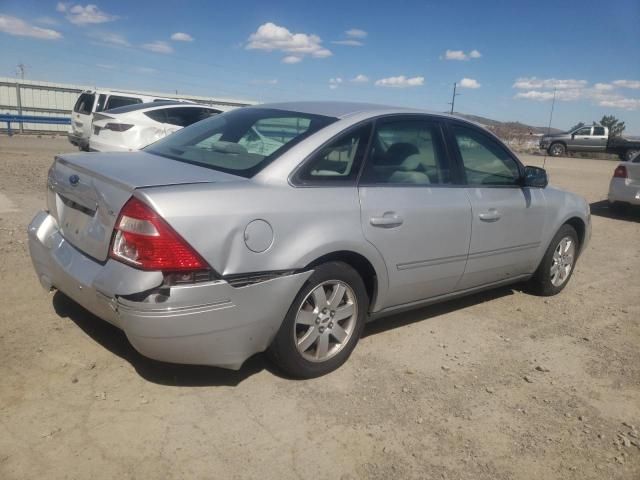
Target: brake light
[
  {"x": 620, "y": 172},
  {"x": 118, "y": 127},
  {"x": 144, "y": 240}
]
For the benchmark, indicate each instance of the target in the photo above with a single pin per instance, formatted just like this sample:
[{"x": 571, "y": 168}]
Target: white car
[
  {"x": 624, "y": 189},
  {"x": 133, "y": 127},
  {"x": 93, "y": 101}
]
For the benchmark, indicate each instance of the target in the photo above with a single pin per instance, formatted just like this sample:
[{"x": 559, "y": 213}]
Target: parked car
[
  {"x": 133, "y": 127},
  {"x": 206, "y": 248},
  {"x": 624, "y": 188},
  {"x": 593, "y": 138},
  {"x": 92, "y": 101}
]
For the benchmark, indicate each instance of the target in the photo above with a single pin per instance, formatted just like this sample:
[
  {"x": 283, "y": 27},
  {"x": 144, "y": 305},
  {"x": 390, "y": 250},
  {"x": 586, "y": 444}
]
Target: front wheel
[
  {"x": 557, "y": 265},
  {"x": 323, "y": 324},
  {"x": 556, "y": 150}
]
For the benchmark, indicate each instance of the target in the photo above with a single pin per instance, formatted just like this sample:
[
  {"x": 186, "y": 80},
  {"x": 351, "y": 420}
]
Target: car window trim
[
  {"x": 455, "y": 178},
  {"x": 295, "y": 180},
  {"x": 450, "y": 124}
]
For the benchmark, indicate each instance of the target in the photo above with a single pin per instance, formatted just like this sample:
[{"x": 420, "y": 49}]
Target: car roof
[
  {"x": 158, "y": 104},
  {"x": 343, "y": 109}
]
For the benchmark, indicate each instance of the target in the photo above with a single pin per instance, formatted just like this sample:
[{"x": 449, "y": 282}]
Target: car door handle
[
  {"x": 491, "y": 215},
  {"x": 387, "y": 220}
]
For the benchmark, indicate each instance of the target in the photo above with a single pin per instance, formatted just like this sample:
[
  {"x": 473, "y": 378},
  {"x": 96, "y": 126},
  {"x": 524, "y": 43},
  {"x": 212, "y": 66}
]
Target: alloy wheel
[{"x": 562, "y": 263}]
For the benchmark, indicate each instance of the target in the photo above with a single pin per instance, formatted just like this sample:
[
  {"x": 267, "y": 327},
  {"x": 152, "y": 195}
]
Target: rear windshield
[
  {"x": 242, "y": 141},
  {"x": 84, "y": 104}
]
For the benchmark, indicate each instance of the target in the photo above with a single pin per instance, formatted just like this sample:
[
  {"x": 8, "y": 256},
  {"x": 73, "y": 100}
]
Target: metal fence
[{"x": 35, "y": 98}]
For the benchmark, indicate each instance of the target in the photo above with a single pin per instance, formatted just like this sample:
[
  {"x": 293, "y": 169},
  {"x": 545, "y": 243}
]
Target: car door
[
  {"x": 412, "y": 211},
  {"x": 82, "y": 115},
  {"x": 598, "y": 139},
  {"x": 581, "y": 139},
  {"x": 507, "y": 219}
]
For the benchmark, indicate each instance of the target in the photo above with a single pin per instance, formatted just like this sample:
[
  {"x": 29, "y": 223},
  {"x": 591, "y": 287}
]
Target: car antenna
[{"x": 553, "y": 103}]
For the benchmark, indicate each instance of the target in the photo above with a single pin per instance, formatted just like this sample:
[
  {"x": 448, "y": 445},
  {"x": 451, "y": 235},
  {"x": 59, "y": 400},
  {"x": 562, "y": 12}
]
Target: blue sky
[{"x": 508, "y": 56}]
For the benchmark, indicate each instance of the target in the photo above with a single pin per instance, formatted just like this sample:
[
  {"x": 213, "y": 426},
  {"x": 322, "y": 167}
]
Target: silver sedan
[{"x": 286, "y": 227}]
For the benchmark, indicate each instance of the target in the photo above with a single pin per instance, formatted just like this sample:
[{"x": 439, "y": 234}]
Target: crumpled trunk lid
[{"x": 85, "y": 192}]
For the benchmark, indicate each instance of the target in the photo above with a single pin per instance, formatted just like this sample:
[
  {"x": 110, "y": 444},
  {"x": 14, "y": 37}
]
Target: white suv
[{"x": 91, "y": 101}]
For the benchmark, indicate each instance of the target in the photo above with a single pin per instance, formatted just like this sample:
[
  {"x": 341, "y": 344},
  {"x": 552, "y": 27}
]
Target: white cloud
[
  {"x": 360, "y": 78},
  {"x": 525, "y": 83},
  {"x": 635, "y": 84},
  {"x": 469, "y": 83},
  {"x": 144, "y": 70},
  {"x": 334, "y": 82},
  {"x": 87, "y": 15},
  {"x": 356, "y": 33},
  {"x": 349, "y": 42},
  {"x": 181, "y": 37},
  {"x": 269, "y": 81},
  {"x": 291, "y": 59},
  {"x": 621, "y": 102},
  {"x": 461, "y": 55},
  {"x": 603, "y": 86},
  {"x": 158, "y": 47},
  {"x": 18, "y": 27},
  {"x": 110, "y": 38},
  {"x": 271, "y": 37},
  {"x": 400, "y": 82},
  {"x": 106, "y": 66}
]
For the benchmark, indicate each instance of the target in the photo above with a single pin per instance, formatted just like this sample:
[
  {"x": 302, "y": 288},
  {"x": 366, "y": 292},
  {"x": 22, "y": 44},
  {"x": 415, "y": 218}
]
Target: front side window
[
  {"x": 584, "y": 131},
  {"x": 407, "y": 152},
  {"x": 84, "y": 104},
  {"x": 242, "y": 141},
  {"x": 485, "y": 161},
  {"x": 116, "y": 101},
  {"x": 102, "y": 98},
  {"x": 339, "y": 161}
]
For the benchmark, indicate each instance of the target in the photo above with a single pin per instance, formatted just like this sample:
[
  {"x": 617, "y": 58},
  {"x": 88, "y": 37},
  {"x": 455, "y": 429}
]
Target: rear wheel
[
  {"x": 557, "y": 265},
  {"x": 323, "y": 324},
  {"x": 556, "y": 150},
  {"x": 630, "y": 155}
]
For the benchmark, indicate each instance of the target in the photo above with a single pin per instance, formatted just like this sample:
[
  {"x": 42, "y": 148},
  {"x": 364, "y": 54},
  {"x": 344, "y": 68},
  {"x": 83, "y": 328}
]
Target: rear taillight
[
  {"x": 144, "y": 240},
  {"x": 620, "y": 172},
  {"x": 118, "y": 127}
]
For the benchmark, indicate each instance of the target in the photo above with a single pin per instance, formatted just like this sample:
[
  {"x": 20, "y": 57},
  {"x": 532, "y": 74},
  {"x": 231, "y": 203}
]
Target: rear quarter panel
[{"x": 307, "y": 223}]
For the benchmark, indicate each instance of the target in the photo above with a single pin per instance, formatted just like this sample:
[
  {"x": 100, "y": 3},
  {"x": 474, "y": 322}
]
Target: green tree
[
  {"x": 616, "y": 127},
  {"x": 576, "y": 126}
]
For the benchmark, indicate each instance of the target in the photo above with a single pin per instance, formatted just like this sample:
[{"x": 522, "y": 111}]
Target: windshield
[{"x": 242, "y": 141}]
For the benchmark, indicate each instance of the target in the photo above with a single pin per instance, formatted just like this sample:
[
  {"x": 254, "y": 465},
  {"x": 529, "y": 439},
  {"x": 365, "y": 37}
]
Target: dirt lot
[{"x": 500, "y": 385}]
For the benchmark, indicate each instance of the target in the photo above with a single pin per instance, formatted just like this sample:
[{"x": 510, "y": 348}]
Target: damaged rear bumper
[{"x": 209, "y": 323}]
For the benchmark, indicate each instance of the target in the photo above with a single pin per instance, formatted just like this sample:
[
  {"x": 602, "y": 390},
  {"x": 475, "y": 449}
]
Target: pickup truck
[{"x": 594, "y": 138}]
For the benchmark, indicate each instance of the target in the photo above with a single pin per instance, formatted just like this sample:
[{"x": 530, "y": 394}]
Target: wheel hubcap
[
  {"x": 562, "y": 263},
  {"x": 325, "y": 321}
]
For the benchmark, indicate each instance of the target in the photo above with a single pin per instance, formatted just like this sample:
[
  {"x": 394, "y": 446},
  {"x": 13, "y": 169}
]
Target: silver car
[{"x": 286, "y": 227}]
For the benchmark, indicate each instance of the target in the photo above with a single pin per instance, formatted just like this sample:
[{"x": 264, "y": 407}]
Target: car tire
[
  {"x": 552, "y": 274},
  {"x": 312, "y": 340},
  {"x": 630, "y": 155},
  {"x": 556, "y": 149},
  {"x": 619, "y": 207}
]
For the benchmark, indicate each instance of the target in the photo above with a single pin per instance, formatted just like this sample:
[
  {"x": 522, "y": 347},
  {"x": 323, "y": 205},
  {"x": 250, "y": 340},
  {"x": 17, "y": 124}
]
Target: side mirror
[{"x": 535, "y": 177}]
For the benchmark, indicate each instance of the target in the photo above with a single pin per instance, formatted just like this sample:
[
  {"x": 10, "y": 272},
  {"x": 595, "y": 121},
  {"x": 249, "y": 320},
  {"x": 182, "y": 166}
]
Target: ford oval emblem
[{"x": 74, "y": 180}]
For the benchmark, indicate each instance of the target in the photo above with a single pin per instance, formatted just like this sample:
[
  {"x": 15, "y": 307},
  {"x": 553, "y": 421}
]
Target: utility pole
[
  {"x": 453, "y": 97},
  {"x": 20, "y": 69}
]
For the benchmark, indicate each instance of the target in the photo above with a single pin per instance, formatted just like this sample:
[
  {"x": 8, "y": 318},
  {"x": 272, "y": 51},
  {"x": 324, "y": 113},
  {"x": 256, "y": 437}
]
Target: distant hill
[{"x": 507, "y": 129}]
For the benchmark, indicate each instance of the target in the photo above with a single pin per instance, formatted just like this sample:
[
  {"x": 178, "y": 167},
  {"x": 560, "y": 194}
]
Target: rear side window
[
  {"x": 158, "y": 115},
  {"x": 409, "y": 152},
  {"x": 485, "y": 161},
  {"x": 185, "y": 116},
  {"x": 102, "y": 98},
  {"x": 598, "y": 131},
  {"x": 84, "y": 104},
  {"x": 339, "y": 161},
  {"x": 116, "y": 101}
]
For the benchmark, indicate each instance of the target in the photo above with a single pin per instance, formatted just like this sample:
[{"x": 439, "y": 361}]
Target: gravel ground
[{"x": 500, "y": 385}]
